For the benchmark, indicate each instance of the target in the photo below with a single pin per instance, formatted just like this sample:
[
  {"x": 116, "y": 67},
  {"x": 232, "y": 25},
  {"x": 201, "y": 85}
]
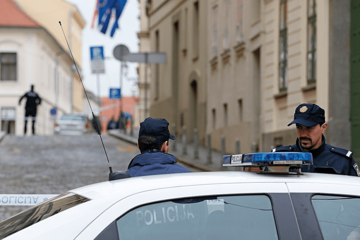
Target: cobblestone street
[{"x": 56, "y": 164}]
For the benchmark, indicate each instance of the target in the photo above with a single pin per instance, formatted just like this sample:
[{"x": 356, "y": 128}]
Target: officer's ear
[{"x": 324, "y": 127}]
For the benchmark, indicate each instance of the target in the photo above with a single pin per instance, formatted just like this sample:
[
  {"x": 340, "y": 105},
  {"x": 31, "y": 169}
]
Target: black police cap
[
  {"x": 308, "y": 115},
  {"x": 157, "y": 128}
]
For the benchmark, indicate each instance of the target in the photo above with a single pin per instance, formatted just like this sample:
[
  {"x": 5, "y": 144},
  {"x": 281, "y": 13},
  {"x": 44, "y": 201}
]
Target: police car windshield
[{"x": 39, "y": 212}]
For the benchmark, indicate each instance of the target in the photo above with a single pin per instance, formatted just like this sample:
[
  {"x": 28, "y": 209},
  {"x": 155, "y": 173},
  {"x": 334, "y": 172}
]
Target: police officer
[
  {"x": 310, "y": 124},
  {"x": 153, "y": 143},
  {"x": 32, "y": 100}
]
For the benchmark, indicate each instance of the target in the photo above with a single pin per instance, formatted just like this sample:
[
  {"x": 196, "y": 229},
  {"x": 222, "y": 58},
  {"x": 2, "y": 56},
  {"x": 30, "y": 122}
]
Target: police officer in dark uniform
[
  {"x": 310, "y": 124},
  {"x": 153, "y": 143},
  {"x": 32, "y": 100}
]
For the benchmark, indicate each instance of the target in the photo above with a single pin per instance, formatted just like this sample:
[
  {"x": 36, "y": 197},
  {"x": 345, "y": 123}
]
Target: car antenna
[{"x": 97, "y": 127}]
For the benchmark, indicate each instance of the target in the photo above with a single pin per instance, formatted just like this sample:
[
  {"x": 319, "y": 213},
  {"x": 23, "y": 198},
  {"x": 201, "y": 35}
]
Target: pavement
[{"x": 187, "y": 159}]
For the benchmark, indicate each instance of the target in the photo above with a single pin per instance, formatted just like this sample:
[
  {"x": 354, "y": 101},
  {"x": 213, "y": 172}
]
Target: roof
[
  {"x": 12, "y": 16},
  {"x": 120, "y": 188}
]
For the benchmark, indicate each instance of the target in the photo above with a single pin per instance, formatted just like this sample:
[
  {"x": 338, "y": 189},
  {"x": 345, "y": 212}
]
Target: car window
[
  {"x": 223, "y": 217},
  {"x": 39, "y": 212},
  {"x": 338, "y": 216},
  {"x": 72, "y": 118}
]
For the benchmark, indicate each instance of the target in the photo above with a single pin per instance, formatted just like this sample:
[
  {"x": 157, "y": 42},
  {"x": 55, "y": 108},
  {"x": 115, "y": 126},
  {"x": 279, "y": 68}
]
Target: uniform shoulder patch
[
  {"x": 341, "y": 151},
  {"x": 283, "y": 149},
  {"x": 356, "y": 167}
]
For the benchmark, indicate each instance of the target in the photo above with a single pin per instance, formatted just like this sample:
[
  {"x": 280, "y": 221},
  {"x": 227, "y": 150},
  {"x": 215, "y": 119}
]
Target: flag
[
  {"x": 105, "y": 9},
  {"x": 95, "y": 14},
  {"x": 119, "y": 7}
]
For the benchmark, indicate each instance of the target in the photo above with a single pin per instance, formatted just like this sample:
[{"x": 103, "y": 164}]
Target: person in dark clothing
[
  {"x": 153, "y": 143},
  {"x": 310, "y": 124},
  {"x": 32, "y": 100}
]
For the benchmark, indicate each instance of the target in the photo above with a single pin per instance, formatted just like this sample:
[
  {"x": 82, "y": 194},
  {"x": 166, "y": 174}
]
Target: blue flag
[
  {"x": 119, "y": 7},
  {"x": 101, "y": 6},
  {"x": 104, "y": 16}
]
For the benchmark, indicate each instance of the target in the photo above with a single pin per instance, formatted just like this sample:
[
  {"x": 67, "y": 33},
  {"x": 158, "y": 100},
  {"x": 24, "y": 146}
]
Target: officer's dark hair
[{"x": 147, "y": 142}]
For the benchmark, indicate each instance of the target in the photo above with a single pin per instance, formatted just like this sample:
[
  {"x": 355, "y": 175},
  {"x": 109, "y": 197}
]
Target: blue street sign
[
  {"x": 115, "y": 93},
  {"x": 97, "y": 59},
  {"x": 97, "y": 53},
  {"x": 53, "y": 112}
]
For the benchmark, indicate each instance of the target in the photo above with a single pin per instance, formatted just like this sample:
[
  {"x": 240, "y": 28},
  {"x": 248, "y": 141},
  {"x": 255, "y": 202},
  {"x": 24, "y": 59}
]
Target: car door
[
  {"x": 327, "y": 211},
  {"x": 226, "y": 211}
]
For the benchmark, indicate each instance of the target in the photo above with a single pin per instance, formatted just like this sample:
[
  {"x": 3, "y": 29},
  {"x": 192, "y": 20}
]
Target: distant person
[
  {"x": 311, "y": 125},
  {"x": 32, "y": 101},
  {"x": 112, "y": 124},
  {"x": 153, "y": 143}
]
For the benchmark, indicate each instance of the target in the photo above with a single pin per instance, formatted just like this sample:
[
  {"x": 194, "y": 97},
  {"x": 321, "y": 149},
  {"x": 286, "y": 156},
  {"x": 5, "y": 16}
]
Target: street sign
[
  {"x": 97, "y": 59},
  {"x": 53, "y": 112},
  {"x": 120, "y": 51},
  {"x": 151, "y": 57},
  {"x": 115, "y": 93}
]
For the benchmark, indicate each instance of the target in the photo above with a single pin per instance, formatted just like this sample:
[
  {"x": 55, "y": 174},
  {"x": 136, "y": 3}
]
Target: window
[
  {"x": 214, "y": 118},
  {"x": 222, "y": 217},
  {"x": 157, "y": 67},
  {"x": 239, "y": 21},
  {"x": 214, "y": 30},
  {"x": 311, "y": 42},
  {"x": 240, "y": 107},
  {"x": 226, "y": 24},
  {"x": 225, "y": 114},
  {"x": 8, "y": 69},
  {"x": 8, "y": 117},
  {"x": 338, "y": 216},
  {"x": 39, "y": 212},
  {"x": 196, "y": 30},
  {"x": 283, "y": 46}
]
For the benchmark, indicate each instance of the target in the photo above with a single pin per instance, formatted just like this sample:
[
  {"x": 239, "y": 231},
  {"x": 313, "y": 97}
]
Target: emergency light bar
[{"x": 270, "y": 161}]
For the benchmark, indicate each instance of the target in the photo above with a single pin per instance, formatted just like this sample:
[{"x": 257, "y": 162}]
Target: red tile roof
[{"x": 12, "y": 15}]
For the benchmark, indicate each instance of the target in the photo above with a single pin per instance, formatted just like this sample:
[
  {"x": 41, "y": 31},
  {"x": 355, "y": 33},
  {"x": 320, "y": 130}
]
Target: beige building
[
  {"x": 48, "y": 13},
  {"x": 178, "y": 88},
  {"x": 32, "y": 55},
  {"x": 238, "y": 68}
]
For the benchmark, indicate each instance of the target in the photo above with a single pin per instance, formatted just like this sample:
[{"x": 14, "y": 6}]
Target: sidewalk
[{"x": 186, "y": 159}]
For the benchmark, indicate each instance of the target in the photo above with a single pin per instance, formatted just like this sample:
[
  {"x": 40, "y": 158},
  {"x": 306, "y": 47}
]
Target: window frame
[
  {"x": 311, "y": 43},
  {"x": 9, "y": 67},
  {"x": 283, "y": 81}
]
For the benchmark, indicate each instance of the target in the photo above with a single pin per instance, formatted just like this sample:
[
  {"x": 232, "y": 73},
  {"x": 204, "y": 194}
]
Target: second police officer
[{"x": 311, "y": 125}]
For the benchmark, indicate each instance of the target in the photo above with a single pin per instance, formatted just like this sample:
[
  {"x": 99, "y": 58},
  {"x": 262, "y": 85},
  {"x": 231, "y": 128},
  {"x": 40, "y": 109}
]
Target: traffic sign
[
  {"x": 115, "y": 93},
  {"x": 97, "y": 59},
  {"x": 146, "y": 57},
  {"x": 120, "y": 51},
  {"x": 53, "y": 112}
]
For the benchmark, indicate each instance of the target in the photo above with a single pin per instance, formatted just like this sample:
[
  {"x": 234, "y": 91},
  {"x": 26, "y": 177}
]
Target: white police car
[{"x": 196, "y": 206}]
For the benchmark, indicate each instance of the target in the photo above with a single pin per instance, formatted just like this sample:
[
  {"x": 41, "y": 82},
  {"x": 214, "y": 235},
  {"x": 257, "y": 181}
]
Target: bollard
[
  {"x": 174, "y": 142},
  {"x": 237, "y": 146},
  {"x": 209, "y": 152},
  {"x": 254, "y": 147},
  {"x": 223, "y": 150},
  {"x": 184, "y": 147},
  {"x": 196, "y": 144}
]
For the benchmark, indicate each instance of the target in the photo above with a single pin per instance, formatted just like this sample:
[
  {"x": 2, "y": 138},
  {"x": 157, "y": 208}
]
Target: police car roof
[{"x": 121, "y": 188}]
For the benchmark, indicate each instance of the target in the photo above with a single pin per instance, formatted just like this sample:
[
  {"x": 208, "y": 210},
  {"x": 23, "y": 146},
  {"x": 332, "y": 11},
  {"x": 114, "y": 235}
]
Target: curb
[{"x": 2, "y": 135}]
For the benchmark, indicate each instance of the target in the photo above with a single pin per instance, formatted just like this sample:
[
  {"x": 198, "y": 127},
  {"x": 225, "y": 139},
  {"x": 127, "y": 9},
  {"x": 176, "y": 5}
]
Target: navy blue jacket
[
  {"x": 152, "y": 162},
  {"x": 327, "y": 159}
]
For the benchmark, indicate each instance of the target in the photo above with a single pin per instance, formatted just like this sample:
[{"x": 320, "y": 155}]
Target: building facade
[
  {"x": 258, "y": 60},
  {"x": 178, "y": 88},
  {"x": 30, "y": 55}
]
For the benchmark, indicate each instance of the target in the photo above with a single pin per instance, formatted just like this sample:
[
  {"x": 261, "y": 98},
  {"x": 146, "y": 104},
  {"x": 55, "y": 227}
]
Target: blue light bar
[{"x": 268, "y": 159}]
